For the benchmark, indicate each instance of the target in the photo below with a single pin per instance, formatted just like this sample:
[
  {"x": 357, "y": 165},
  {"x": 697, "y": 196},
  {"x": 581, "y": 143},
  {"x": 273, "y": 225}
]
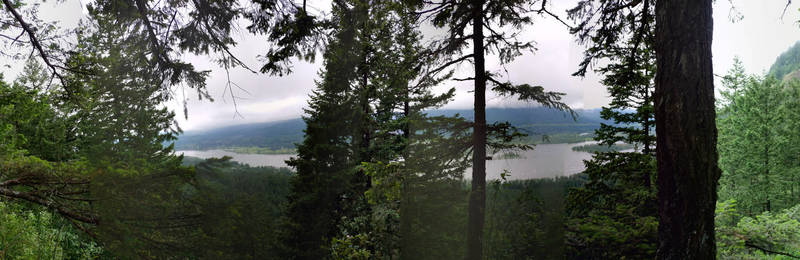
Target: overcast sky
[{"x": 757, "y": 39}]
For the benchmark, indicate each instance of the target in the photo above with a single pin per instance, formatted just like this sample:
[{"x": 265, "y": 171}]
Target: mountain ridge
[
  {"x": 283, "y": 134},
  {"x": 788, "y": 62}
]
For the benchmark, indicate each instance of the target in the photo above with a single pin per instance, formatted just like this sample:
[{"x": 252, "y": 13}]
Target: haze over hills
[
  {"x": 538, "y": 120},
  {"x": 284, "y": 134},
  {"x": 273, "y": 135}
]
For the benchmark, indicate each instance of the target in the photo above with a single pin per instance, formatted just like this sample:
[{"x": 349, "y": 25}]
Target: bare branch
[
  {"x": 34, "y": 40},
  {"x": 788, "y": 2},
  {"x": 543, "y": 9},
  {"x": 450, "y": 63}
]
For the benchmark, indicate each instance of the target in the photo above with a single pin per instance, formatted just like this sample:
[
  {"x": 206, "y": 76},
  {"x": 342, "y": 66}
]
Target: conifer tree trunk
[
  {"x": 366, "y": 130},
  {"x": 686, "y": 130},
  {"x": 646, "y": 126},
  {"x": 405, "y": 214},
  {"x": 365, "y": 87},
  {"x": 477, "y": 197}
]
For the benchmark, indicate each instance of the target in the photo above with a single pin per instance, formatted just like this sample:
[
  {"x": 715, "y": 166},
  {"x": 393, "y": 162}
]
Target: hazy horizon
[{"x": 758, "y": 39}]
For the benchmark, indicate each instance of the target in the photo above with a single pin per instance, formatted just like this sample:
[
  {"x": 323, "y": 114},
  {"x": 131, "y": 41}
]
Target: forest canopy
[{"x": 379, "y": 165}]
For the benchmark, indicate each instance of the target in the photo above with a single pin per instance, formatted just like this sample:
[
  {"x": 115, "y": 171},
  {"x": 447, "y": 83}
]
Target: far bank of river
[
  {"x": 545, "y": 161},
  {"x": 274, "y": 160}
]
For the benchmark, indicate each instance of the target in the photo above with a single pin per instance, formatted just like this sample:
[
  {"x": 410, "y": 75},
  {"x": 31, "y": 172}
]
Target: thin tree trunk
[
  {"x": 366, "y": 131},
  {"x": 767, "y": 189},
  {"x": 477, "y": 198},
  {"x": 405, "y": 214},
  {"x": 365, "y": 90},
  {"x": 646, "y": 125},
  {"x": 685, "y": 129},
  {"x": 407, "y": 123}
]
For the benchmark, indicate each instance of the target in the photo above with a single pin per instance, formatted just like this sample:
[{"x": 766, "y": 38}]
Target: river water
[{"x": 545, "y": 161}]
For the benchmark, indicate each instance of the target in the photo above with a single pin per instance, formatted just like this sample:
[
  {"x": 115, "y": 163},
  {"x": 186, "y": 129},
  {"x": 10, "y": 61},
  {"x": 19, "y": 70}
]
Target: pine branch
[
  {"x": 34, "y": 40},
  {"x": 64, "y": 211},
  {"x": 765, "y": 250}
]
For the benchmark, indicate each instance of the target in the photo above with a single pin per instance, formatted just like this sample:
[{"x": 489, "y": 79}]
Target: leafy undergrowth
[{"x": 765, "y": 236}]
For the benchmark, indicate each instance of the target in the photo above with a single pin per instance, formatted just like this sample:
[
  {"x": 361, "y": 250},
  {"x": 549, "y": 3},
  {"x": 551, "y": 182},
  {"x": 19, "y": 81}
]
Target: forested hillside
[
  {"x": 787, "y": 63},
  {"x": 759, "y": 188},
  {"x": 680, "y": 169},
  {"x": 282, "y": 135},
  {"x": 273, "y": 135},
  {"x": 538, "y": 120}
]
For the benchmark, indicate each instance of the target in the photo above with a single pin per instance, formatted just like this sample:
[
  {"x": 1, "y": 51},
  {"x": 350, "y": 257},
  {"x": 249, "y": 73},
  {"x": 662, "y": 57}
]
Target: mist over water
[{"x": 544, "y": 161}]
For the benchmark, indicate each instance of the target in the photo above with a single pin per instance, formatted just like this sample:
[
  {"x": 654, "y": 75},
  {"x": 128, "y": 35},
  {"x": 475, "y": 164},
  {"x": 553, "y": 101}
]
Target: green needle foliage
[
  {"x": 93, "y": 153},
  {"x": 367, "y": 106},
  {"x": 757, "y": 133},
  {"x": 769, "y": 235},
  {"x": 757, "y": 208},
  {"x": 475, "y": 29},
  {"x": 617, "y": 207}
]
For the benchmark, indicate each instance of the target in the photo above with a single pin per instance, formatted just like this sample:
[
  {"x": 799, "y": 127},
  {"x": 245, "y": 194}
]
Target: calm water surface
[
  {"x": 545, "y": 161},
  {"x": 274, "y": 160}
]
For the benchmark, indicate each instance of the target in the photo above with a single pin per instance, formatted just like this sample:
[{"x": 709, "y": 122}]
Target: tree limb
[
  {"x": 34, "y": 40},
  {"x": 66, "y": 212},
  {"x": 765, "y": 250},
  {"x": 141, "y": 7},
  {"x": 788, "y": 2},
  {"x": 543, "y": 9},
  {"x": 448, "y": 64}
]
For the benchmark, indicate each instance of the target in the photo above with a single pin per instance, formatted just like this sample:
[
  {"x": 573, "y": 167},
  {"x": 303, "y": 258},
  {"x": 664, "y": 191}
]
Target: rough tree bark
[
  {"x": 477, "y": 196},
  {"x": 686, "y": 130}
]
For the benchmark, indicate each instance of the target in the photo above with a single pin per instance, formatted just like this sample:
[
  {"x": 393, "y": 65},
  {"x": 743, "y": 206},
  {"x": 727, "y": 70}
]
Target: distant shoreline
[
  {"x": 545, "y": 160},
  {"x": 533, "y": 140},
  {"x": 248, "y": 150}
]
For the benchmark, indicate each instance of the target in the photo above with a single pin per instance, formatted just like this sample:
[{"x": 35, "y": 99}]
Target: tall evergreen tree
[
  {"x": 619, "y": 192},
  {"x": 359, "y": 113},
  {"x": 756, "y": 133},
  {"x": 100, "y": 160},
  {"x": 474, "y": 27},
  {"x": 124, "y": 132},
  {"x": 34, "y": 75},
  {"x": 790, "y": 143},
  {"x": 684, "y": 107},
  {"x": 118, "y": 103},
  {"x": 324, "y": 161}
]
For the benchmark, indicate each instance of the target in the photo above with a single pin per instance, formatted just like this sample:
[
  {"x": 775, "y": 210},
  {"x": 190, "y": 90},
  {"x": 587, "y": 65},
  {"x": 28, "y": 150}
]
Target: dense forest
[{"x": 379, "y": 169}]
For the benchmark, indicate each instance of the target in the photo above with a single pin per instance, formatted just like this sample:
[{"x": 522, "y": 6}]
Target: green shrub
[
  {"x": 33, "y": 234},
  {"x": 765, "y": 236}
]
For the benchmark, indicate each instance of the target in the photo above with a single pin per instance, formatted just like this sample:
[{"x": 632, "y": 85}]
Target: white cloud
[{"x": 758, "y": 39}]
